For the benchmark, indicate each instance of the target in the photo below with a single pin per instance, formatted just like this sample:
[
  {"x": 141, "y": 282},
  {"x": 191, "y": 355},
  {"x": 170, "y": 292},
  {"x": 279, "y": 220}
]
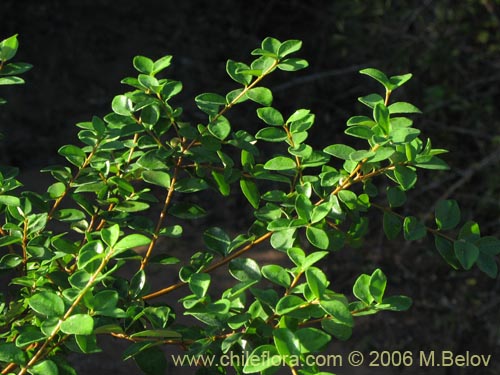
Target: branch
[{"x": 212, "y": 267}]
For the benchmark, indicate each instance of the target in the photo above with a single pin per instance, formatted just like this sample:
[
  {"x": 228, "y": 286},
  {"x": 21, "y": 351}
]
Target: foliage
[{"x": 63, "y": 249}]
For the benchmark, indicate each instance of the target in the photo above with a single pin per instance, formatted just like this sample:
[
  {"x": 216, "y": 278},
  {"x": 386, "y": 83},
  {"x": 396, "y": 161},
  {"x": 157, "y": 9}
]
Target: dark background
[{"x": 81, "y": 51}]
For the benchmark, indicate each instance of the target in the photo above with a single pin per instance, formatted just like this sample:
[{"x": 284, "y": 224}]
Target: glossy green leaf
[
  {"x": 210, "y": 102},
  {"x": 138, "y": 285},
  {"x": 185, "y": 210},
  {"x": 262, "y": 358},
  {"x": 270, "y": 116},
  {"x": 47, "y": 303},
  {"x": 69, "y": 215},
  {"x": 395, "y": 196},
  {"x": 489, "y": 245},
  {"x": 293, "y": 64},
  {"x": 312, "y": 340},
  {"x": 405, "y": 176},
  {"x": 360, "y": 155},
  {"x": 304, "y": 207},
  {"x": 470, "y": 231},
  {"x": 339, "y": 151},
  {"x": 466, "y": 252},
  {"x": 45, "y": 367},
  {"x": 398, "y": 81},
  {"x": 287, "y": 343},
  {"x": 143, "y": 64},
  {"x": 395, "y": 303},
  {"x": 378, "y": 282},
  {"x": 379, "y": 76},
  {"x": 10, "y": 261},
  {"x": 110, "y": 234},
  {"x": 341, "y": 331},
  {"x": 132, "y": 206},
  {"x": 381, "y": 116},
  {"x": 74, "y": 154},
  {"x": 122, "y": 105},
  {"x": 8, "y": 48},
  {"x": 361, "y": 289},
  {"x": 161, "y": 63},
  {"x": 11, "y": 80},
  {"x": 232, "y": 68},
  {"x": 382, "y": 153},
  {"x": 318, "y": 237},
  {"x": 56, "y": 190},
  {"x": 404, "y": 135},
  {"x": 170, "y": 89},
  {"x": 130, "y": 242},
  {"x": 361, "y": 120},
  {"x": 261, "y": 95},
  {"x": 29, "y": 336},
  {"x": 487, "y": 264},
  {"x": 271, "y": 134},
  {"x": 78, "y": 324},
  {"x": 283, "y": 239},
  {"x": 320, "y": 212},
  {"x": 157, "y": 178},
  {"x": 10, "y": 200},
  {"x": 447, "y": 214},
  {"x": 359, "y": 132},
  {"x": 251, "y": 192},
  {"x": 433, "y": 163},
  {"x": 105, "y": 300},
  {"x": 220, "y": 128},
  {"x": 288, "y": 304},
  {"x": 217, "y": 240},
  {"x": 199, "y": 283},
  {"x": 150, "y": 115},
  {"x": 288, "y": 47},
  {"x": 339, "y": 311},
  {"x": 392, "y": 225},
  {"x": 445, "y": 249},
  {"x": 191, "y": 185},
  {"x": 271, "y": 44},
  {"x": 244, "y": 269},
  {"x": 317, "y": 281},
  {"x": 414, "y": 229},
  {"x": 280, "y": 163},
  {"x": 276, "y": 274},
  {"x": 371, "y": 100},
  {"x": 403, "y": 107},
  {"x": 90, "y": 256},
  {"x": 9, "y": 353}
]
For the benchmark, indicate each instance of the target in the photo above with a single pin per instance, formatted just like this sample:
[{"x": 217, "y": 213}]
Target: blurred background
[{"x": 81, "y": 50}]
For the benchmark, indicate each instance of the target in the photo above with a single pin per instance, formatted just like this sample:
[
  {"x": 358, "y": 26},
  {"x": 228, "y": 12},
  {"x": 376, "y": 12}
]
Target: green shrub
[{"x": 64, "y": 249}]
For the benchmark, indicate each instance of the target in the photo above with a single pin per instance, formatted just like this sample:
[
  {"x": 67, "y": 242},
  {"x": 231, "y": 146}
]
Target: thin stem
[
  {"x": 298, "y": 175},
  {"x": 227, "y": 107},
  {"x": 40, "y": 352},
  {"x": 10, "y": 247},
  {"x": 120, "y": 174},
  {"x": 402, "y": 217},
  {"x": 213, "y": 267},
  {"x": 294, "y": 283},
  {"x": 71, "y": 181},
  {"x": 214, "y": 168},
  {"x": 25, "y": 242},
  {"x": 163, "y": 213},
  {"x": 11, "y": 366},
  {"x": 387, "y": 96}
]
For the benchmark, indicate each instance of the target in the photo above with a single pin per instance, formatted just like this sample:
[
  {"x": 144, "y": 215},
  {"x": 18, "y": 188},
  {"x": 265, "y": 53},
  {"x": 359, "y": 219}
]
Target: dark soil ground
[{"x": 81, "y": 51}]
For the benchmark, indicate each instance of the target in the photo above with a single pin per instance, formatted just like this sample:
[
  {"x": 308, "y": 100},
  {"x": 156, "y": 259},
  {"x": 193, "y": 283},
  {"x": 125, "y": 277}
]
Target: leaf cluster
[{"x": 307, "y": 203}]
